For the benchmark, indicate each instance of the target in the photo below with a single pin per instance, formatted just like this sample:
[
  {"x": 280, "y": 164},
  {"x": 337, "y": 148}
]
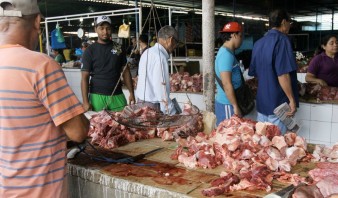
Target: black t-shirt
[{"x": 105, "y": 63}]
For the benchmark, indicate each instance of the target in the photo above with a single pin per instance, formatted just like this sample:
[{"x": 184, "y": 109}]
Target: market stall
[
  {"x": 168, "y": 178},
  {"x": 91, "y": 15}
]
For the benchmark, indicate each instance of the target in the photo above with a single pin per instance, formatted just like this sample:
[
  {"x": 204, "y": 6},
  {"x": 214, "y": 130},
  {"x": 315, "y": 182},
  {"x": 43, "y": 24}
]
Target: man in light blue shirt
[{"x": 153, "y": 84}]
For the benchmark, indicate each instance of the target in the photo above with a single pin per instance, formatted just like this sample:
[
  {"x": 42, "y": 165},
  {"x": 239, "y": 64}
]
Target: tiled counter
[{"x": 319, "y": 122}]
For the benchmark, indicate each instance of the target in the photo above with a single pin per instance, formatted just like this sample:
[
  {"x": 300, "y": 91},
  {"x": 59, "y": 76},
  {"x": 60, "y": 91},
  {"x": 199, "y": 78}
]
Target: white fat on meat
[
  {"x": 247, "y": 154},
  {"x": 274, "y": 153},
  {"x": 300, "y": 142},
  {"x": 189, "y": 162},
  {"x": 294, "y": 153},
  {"x": 290, "y": 138},
  {"x": 261, "y": 127},
  {"x": 284, "y": 165},
  {"x": 234, "y": 143},
  {"x": 224, "y": 174},
  {"x": 246, "y": 129},
  {"x": 328, "y": 186},
  {"x": 242, "y": 185},
  {"x": 167, "y": 136},
  {"x": 272, "y": 164},
  {"x": 264, "y": 141},
  {"x": 256, "y": 138},
  {"x": 279, "y": 142},
  {"x": 317, "y": 152},
  {"x": 245, "y": 137}
]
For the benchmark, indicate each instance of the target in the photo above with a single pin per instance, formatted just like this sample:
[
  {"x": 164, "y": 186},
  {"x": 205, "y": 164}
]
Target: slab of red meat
[
  {"x": 318, "y": 174},
  {"x": 307, "y": 192},
  {"x": 222, "y": 188},
  {"x": 328, "y": 186}
]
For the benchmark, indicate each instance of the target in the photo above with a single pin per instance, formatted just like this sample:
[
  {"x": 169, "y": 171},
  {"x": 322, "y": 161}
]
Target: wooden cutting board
[{"x": 169, "y": 174}]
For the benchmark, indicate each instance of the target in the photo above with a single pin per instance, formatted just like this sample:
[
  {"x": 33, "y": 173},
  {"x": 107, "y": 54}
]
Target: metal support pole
[
  {"x": 171, "y": 55},
  {"x": 47, "y": 38}
]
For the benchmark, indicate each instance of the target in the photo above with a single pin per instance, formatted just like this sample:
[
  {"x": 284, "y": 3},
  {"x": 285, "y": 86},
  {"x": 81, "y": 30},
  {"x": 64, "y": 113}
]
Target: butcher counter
[{"x": 166, "y": 178}]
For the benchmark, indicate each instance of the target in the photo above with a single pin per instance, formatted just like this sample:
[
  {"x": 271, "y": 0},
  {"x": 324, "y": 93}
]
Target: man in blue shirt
[{"x": 274, "y": 65}]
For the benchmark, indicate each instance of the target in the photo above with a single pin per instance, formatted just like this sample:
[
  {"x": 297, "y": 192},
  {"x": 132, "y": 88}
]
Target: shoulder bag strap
[{"x": 219, "y": 81}]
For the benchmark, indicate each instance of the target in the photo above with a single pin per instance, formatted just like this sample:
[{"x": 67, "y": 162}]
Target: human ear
[{"x": 37, "y": 23}]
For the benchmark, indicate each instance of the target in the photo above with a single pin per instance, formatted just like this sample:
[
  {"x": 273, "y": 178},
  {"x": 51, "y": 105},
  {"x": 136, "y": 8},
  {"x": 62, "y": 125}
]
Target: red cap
[{"x": 232, "y": 27}]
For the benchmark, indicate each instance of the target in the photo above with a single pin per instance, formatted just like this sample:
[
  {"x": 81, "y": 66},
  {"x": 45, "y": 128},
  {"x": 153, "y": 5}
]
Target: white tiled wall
[
  {"x": 334, "y": 132},
  {"x": 320, "y": 131},
  {"x": 322, "y": 112},
  {"x": 319, "y": 123},
  {"x": 304, "y": 111},
  {"x": 305, "y": 129}
]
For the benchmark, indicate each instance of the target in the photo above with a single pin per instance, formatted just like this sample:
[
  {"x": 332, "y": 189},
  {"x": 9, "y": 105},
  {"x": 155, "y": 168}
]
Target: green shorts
[{"x": 111, "y": 103}]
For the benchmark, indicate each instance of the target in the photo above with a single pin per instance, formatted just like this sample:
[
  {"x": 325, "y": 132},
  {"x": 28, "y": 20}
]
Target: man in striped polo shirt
[{"x": 38, "y": 109}]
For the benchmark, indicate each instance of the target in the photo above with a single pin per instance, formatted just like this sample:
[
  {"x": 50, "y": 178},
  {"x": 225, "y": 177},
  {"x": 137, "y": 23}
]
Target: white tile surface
[
  {"x": 305, "y": 129},
  {"x": 335, "y": 113},
  {"x": 303, "y": 112},
  {"x": 321, "y": 112},
  {"x": 334, "y": 132},
  {"x": 320, "y": 131}
]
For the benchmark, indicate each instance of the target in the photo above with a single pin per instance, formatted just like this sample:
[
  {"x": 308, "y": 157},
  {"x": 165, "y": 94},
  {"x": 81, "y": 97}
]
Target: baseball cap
[
  {"x": 102, "y": 19},
  {"x": 232, "y": 27},
  {"x": 18, "y": 8}
]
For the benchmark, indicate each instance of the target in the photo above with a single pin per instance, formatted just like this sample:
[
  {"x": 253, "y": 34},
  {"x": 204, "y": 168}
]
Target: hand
[
  {"x": 132, "y": 99},
  {"x": 321, "y": 82},
  {"x": 293, "y": 109},
  {"x": 237, "y": 111},
  {"x": 87, "y": 106}
]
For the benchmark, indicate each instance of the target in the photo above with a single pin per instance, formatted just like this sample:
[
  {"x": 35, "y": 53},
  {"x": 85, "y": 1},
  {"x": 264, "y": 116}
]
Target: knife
[
  {"x": 141, "y": 156},
  {"x": 283, "y": 193}
]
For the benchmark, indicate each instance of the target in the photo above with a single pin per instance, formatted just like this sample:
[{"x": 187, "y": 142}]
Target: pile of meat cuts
[
  {"x": 322, "y": 93},
  {"x": 252, "y": 154},
  {"x": 107, "y": 132},
  {"x": 324, "y": 153},
  {"x": 183, "y": 82}
]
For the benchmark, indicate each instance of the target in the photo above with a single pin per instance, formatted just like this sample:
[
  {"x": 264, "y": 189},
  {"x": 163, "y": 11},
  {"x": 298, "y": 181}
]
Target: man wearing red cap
[
  {"x": 274, "y": 65},
  {"x": 228, "y": 70}
]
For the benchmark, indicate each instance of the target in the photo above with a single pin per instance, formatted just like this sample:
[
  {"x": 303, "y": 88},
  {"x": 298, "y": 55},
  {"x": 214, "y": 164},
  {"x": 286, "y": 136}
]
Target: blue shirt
[
  {"x": 227, "y": 62},
  {"x": 272, "y": 56}
]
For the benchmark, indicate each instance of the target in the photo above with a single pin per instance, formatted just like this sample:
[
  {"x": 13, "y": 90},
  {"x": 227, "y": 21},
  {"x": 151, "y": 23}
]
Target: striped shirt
[{"x": 35, "y": 99}]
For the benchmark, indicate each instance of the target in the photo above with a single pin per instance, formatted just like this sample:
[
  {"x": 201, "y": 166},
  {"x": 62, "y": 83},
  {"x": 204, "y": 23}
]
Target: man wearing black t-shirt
[{"x": 103, "y": 62}]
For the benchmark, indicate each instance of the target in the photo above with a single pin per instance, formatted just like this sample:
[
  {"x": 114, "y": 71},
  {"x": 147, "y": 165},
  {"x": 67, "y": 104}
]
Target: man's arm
[
  {"x": 76, "y": 128},
  {"x": 229, "y": 91},
  {"x": 84, "y": 89},
  {"x": 129, "y": 83},
  {"x": 285, "y": 83}
]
